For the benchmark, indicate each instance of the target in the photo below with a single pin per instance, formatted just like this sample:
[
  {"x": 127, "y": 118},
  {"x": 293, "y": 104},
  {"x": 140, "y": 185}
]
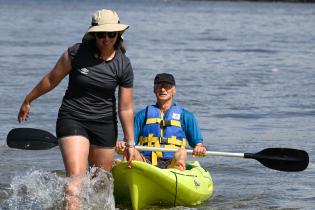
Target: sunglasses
[
  {"x": 166, "y": 86},
  {"x": 102, "y": 35}
]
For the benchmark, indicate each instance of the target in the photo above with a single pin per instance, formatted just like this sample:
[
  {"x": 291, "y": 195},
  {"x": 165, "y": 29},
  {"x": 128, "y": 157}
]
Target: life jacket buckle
[
  {"x": 165, "y": 123},
  {"x": 163, "y": 140}
]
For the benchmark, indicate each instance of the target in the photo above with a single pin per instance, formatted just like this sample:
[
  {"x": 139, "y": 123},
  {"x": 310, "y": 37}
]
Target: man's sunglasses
[
  {"x": 166, "y": 86},
  {"x": 102, "y": 35}
]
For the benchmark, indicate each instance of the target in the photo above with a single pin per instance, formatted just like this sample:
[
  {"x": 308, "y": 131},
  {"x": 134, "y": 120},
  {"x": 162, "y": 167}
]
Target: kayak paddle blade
[
  {"x": 31, "y": 139},
  {"x": 281, "y": 159}
]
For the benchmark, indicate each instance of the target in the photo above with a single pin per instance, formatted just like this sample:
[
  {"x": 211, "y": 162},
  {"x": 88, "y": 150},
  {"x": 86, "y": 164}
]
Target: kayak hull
[{"x": 145, "y": 185}]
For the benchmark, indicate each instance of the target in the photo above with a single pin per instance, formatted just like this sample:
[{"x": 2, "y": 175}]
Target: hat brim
[
  {"x": 105, "y": 28},
  {"x": 164, "y": 81},
  {"x": 108, "y": 28}
]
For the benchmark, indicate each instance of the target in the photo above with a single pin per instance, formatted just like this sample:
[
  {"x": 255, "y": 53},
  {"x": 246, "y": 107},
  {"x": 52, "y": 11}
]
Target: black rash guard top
[{"x": 92, "y": 83}]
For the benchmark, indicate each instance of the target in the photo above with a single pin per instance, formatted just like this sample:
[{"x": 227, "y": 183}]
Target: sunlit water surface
[{"x": 245, "y": 69}]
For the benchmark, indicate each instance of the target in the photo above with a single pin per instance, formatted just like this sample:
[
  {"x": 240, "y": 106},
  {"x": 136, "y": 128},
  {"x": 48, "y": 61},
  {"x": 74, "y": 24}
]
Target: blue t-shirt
[{"x": 188, "y": 122}]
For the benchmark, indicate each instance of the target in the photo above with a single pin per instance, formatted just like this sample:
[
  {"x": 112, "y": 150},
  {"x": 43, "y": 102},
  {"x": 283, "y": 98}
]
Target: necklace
[
  {"x": 109, "y": 58},
  {"x": 105, "y": 57}
]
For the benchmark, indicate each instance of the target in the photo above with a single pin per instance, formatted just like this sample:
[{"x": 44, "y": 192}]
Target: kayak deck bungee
[{"x": 145, "y": 185}]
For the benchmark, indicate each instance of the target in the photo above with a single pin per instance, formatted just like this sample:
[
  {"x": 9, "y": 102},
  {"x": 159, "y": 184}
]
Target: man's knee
[{"x": 180, "y": 154}]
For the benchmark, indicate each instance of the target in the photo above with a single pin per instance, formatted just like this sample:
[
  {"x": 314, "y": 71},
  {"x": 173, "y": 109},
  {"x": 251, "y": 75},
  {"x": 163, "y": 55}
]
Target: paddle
[
  {"x": 31, "y": 139},
  {"x": 282, "y": 159}
]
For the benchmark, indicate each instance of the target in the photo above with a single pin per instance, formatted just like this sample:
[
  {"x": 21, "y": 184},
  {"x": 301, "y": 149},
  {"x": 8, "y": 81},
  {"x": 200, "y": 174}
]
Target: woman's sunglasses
[{"x": 102, "y": 35}]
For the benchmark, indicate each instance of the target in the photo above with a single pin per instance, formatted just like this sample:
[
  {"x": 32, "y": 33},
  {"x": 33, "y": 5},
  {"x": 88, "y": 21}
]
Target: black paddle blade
[
  {"x": 282, "y": 159},
  {"x": 31, "y": 139}
]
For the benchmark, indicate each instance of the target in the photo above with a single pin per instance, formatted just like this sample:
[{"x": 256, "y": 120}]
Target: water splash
[
  {"x": 97, "y": 192},
  {"x": 37, "y": 189}
]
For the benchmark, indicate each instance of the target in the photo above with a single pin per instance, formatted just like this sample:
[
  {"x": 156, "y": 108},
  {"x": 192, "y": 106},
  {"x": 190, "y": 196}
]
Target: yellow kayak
[{"x": 145, "y": 185}]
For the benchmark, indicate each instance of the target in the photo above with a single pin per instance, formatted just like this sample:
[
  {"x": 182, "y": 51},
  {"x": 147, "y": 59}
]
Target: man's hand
[
  {"x": 199, "y": 150},
  {"x": 120, "y": 147}
]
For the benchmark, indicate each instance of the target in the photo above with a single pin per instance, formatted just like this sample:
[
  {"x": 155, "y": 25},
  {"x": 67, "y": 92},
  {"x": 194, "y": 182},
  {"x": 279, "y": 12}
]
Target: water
[{"x": 245, "y": 69}]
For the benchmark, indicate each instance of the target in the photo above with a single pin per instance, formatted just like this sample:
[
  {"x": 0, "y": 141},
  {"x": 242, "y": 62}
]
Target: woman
[{"x": 87, "y": 125}]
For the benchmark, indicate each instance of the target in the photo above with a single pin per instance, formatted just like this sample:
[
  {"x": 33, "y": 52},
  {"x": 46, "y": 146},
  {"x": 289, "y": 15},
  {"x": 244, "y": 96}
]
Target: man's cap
[{"x": 164, "y": 77}]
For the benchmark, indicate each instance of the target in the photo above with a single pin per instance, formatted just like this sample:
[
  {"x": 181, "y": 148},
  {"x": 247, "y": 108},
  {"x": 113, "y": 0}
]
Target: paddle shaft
[
  {"x": 208, "y": 153},
  {"x": 282, "y": 159}
]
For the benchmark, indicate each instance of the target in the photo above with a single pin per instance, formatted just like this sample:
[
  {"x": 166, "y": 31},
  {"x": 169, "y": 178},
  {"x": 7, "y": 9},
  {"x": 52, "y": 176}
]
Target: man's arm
[
  {"x": 191, "y": 128},
  {"x": 193, "y": 134},
  {"x": 139, "y": 121}
]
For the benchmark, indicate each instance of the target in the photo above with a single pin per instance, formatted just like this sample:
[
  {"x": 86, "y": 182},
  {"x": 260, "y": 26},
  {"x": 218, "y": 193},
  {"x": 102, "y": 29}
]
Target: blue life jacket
[{"x": 162, "y": 132}]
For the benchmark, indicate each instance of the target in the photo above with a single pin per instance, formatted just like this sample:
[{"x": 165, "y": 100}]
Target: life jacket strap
[
  {"x": 175, "y": 142},
  {"x": 152, "y": 141},
  {"x": 163, "y": 123}
]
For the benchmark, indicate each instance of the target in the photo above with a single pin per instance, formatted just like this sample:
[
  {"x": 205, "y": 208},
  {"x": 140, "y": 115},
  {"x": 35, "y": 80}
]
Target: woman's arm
[
  {"x": 125, "y": 111},
  {"x": 47, "y": 83}
]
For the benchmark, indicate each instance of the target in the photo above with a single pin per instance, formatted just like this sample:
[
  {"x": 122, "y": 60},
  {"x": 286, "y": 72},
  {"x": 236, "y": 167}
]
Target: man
[{"x": 166, "y": 125}]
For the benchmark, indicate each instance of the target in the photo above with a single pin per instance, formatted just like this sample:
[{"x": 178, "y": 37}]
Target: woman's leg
[
  {"x": 104, "y": 157},
  {"x": 101, "y": 157},
  {"x": 75, "y": 152}
]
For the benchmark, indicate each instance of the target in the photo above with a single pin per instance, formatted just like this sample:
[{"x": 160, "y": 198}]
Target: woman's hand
[
  {"x": 24, "y": 111},
  {"x": 199, "y": 150},
  {"x": 128, "y": 151},
  {"x": 130, "y": 154}
]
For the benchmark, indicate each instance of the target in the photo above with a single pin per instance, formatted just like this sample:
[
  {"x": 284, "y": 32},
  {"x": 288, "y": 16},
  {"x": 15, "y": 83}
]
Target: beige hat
[{"x": 105, "y": 21}]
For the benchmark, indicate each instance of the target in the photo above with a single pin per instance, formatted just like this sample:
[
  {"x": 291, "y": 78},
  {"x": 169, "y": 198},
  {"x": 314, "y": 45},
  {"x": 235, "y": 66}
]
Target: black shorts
[{"x": 99, "y": 134}]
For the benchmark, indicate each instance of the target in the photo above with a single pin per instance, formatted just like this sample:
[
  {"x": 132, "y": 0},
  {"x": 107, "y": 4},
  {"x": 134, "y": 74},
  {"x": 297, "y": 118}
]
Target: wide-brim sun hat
[{"x": 105, "y": 21}]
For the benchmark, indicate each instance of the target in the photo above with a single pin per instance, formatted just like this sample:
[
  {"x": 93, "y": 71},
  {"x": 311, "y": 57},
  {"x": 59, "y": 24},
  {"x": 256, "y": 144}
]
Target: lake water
[{"x": 246, "y": 70}]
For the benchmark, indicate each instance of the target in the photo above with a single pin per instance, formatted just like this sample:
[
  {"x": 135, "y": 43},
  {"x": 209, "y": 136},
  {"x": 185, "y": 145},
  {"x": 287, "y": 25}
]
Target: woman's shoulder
[
  {"x": 83, "y": 47},
  {"x": 122, "y": 56},
  {"x": 72, "y": 50}
]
